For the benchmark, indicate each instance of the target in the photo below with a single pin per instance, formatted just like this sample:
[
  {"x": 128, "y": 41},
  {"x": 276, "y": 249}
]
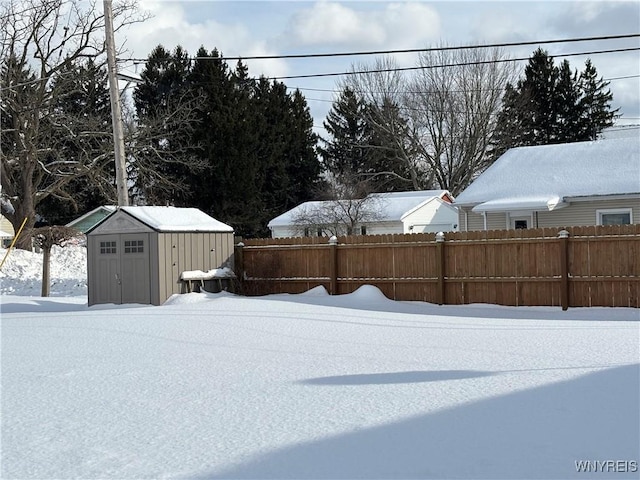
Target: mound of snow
[
  {"x": 21, "y": 273},
  {"x": 368, "y": 293},
  {"x": 318, "y": 291}
]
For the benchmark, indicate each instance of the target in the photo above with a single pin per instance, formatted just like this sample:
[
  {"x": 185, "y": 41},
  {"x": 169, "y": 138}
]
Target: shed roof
[
  {"x": 99, "y": 212},
  {"x": 388, "y": 206},
  {"x": 175, "y": 219},
  {"x": 543, "y": 177}
]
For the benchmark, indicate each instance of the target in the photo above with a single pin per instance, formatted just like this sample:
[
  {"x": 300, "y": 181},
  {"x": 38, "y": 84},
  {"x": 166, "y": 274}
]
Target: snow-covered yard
[{"x": 309, "y": 386}]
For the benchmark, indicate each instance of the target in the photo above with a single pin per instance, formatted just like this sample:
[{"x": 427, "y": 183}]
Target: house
[
  {"x": 378, "y": 213},
  {"x": 6, "y": 231},
  {"x": 145, "y": 254},
  {"x": 92, "y": 218},
  {"x": 571, "y": 184}
]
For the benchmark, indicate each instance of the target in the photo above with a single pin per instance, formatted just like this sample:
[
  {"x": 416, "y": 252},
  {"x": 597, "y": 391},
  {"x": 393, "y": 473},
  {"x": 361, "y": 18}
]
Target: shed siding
[
  {"x": 154, "y": 269},
  {"x": 179, "y": 252}
]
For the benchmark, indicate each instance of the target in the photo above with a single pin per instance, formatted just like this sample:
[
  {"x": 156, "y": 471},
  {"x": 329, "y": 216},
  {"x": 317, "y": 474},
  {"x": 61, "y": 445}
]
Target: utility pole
[{"x": 116, "y": 113}]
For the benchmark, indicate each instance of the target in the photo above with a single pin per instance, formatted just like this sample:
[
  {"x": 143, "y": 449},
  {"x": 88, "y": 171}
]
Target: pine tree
[
  {"x": 165, "y": 153},
  {"x": 538, "y": 88},
  {"x": 566, "y": 106},
  {"x": 344, "y": 154},
  {"x": 386, "y": 145},
  {"x": 594, "y": 103},
  {"x": 552, "y": 104}
]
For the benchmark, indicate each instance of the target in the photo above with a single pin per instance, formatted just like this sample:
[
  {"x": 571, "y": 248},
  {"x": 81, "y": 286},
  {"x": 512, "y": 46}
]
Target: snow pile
[{"x": 21, "y": 273}]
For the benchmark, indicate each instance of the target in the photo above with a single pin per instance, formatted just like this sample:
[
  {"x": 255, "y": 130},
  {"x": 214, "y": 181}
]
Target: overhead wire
[
  {"x": 460, "y": 64},
  {"x": 410, "y": 50}
]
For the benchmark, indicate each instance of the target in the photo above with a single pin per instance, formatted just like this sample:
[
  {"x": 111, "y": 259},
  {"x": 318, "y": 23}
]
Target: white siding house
[
  {"x": 571, "y": 184},
  {"x": 380, "y": 213}
]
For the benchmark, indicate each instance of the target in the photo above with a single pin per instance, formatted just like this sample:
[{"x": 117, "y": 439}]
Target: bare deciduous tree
[
  {"x": 447, "y": 112},
  {"x": 383, "y": 89},
  {"x": 345, "y": 207},
  {"x": 454, "y": 101},
  {"x": 40, "y": 39},
  {"x": 46, "y": 238}
]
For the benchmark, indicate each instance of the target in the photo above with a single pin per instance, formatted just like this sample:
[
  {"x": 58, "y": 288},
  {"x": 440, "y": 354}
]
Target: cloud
[
  {"x": 169, "y": 26},
  {"x": 393, "y": 25}
]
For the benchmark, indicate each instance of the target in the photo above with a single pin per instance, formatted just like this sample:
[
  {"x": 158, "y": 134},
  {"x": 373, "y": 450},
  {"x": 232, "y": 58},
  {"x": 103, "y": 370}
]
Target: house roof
[
  {"x": 175, "y": 219},
  {"x": 389, "y": 207},
  {"x": 546, "y": 177}
]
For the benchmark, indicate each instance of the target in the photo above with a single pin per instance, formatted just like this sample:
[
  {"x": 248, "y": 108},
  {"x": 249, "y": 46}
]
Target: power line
[
  {"x": 484, "y": 62},
  {"x": 333, "y": 90},
  {"x": 410, "y": 50}
]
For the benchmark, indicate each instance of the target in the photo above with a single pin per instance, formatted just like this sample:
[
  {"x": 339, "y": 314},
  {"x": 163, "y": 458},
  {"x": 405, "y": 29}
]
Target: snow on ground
[{"x": 309, "y": 386}]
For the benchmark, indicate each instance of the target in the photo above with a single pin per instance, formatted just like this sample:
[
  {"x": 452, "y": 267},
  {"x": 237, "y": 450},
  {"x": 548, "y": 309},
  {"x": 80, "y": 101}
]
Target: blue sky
[{"x": 247, "y": 28}]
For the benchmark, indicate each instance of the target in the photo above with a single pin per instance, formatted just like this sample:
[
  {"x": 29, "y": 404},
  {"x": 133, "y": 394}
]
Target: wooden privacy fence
[{"x": 571, "y": 267}]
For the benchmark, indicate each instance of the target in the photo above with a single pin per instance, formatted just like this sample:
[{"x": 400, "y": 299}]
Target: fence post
[
  {"x": 440, "y": 267},
  {"x": 333, "y": 265},
  {"x": 238, "y": 261},
  {"x": 563, "y": 235}
]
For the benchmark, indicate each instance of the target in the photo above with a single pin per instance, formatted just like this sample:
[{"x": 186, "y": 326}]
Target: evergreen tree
[
  {"x": 594, "y": 104},
  {"x": 386, "y": 143},
  {"x": 552, "y": 104},
  {"x": 303, "y": 166},
  {"x": 344, "y": 155},
  {"x": 165, "y": 160},
  {"x": 566, "y": 106},
  {"x": 538, "y": 89},
  {"x": 252, "y": 142}
]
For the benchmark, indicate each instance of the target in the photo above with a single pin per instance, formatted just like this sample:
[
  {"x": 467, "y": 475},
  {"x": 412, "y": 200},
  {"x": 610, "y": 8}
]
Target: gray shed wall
[{"x": 179, "y": 252}]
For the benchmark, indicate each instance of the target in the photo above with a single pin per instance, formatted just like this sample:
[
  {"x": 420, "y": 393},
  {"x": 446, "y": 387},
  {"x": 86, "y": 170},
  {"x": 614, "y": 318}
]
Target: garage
[{"x": 138, "y": 254}]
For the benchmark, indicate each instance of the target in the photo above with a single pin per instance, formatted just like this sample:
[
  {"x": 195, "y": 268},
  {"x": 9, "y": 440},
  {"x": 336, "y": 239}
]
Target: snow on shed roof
[
  {"x": 548, "y": 173},
  {"x": 174, "y": 219},
  {"x": 390, "y": 206}
]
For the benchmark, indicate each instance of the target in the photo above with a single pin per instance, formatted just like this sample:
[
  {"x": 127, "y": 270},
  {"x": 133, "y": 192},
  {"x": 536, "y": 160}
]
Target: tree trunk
[
  {"x": 46, "y": 275},
  {"x": 24, "y": 241}
]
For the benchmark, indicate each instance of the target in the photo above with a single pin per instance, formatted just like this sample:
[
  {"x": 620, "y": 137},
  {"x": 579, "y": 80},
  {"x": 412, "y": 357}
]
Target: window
[
  {"x": 363, "y": 230},
  {"x": 520, "y": 224},
  {"x": 107, "y": 248},
  {"x": 307, "y": 232},
  {"x": 619, "y": 216},
  {"x": 133, "y": 246}
]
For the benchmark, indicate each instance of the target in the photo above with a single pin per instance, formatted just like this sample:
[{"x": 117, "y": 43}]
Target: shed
[
  {"x": 138, "y": 254},
  {"x": 90, "y": 219}
]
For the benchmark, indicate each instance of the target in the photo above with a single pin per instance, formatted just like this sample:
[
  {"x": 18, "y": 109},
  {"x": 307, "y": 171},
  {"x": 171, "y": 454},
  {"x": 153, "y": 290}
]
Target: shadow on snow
[{"x": 536, "y": 433}]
